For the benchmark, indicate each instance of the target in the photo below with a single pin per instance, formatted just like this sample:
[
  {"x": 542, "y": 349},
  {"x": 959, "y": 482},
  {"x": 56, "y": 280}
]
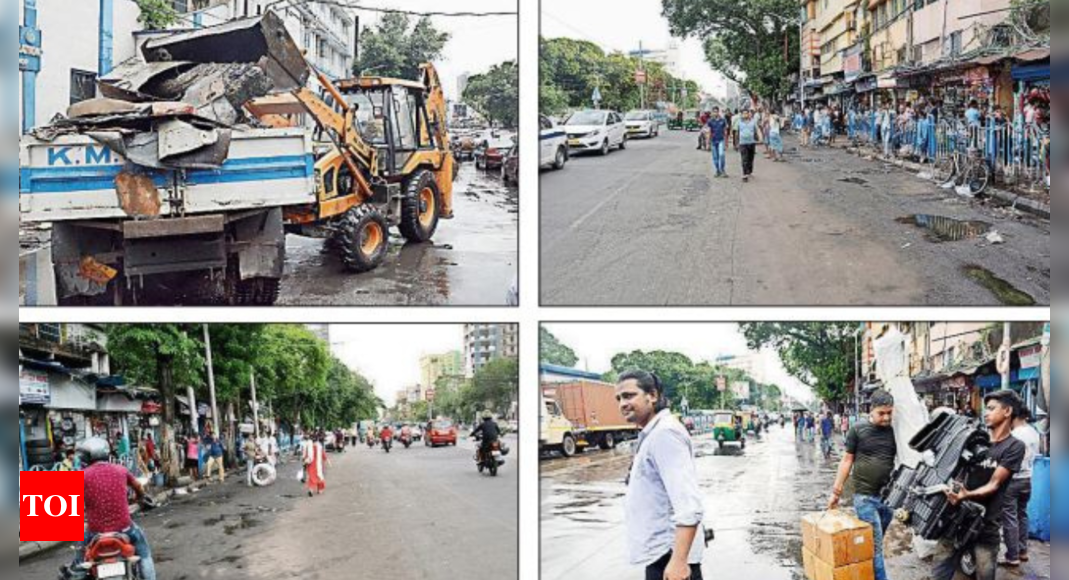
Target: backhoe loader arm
[{"x": 437, "y": 107}]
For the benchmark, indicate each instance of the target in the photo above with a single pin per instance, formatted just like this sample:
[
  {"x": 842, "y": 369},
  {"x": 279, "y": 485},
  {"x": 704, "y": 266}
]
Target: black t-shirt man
[
  {"x": 1008, "y": 453},
  {"x": 874, "y": 449}
]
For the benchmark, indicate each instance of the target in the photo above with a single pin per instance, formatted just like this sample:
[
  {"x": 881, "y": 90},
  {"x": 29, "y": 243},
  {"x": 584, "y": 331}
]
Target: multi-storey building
[
  {"x": 484, "y": 343},
  {"x": 434, "y": 367}
]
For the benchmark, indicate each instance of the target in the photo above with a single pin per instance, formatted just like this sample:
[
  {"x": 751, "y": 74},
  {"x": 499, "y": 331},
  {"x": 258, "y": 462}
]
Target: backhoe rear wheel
[
  {"x": 363, "y": 239},
  {"x": 421, "y": 208}
]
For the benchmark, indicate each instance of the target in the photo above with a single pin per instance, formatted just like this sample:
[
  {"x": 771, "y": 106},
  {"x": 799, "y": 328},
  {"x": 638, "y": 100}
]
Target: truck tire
[
  {"x": 363, "y": 238},
  {"x": 421, "y": 208},
  {"x": 608, "y": 442},
  {"x": 258, "y": 292},
  {"x": 568, "y": 447}
]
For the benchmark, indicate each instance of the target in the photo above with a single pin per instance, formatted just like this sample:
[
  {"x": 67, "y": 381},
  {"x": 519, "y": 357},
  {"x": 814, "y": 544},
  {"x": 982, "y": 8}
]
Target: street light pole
[
  {"x": 255, "y": 406},
  {"x": 211, "y": 380}
]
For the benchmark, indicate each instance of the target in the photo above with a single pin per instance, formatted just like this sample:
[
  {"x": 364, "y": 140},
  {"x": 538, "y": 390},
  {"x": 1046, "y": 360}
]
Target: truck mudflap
[{"x": 241, "y": 258}]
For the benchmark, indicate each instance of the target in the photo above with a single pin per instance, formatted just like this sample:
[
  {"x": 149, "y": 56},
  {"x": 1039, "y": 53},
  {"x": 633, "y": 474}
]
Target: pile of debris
[{"x": 176, "y": 107}]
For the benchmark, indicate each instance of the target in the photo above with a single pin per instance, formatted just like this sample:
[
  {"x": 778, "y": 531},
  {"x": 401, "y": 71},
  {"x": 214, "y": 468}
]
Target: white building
[
  {"x": 668, "y": 57},
  {"x": 484, "y": 343},
  {"x": 752, "y": 364}
]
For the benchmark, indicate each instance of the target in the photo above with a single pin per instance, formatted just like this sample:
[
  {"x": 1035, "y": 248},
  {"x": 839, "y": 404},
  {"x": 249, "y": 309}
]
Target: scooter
[
  {"x": 406, "y": 440},
  {"x": 387, "y": 444},
  {"x": 109, "y": 557},
  {"x": 492, "y": 461},
  {"x": 370, "y": 442}
]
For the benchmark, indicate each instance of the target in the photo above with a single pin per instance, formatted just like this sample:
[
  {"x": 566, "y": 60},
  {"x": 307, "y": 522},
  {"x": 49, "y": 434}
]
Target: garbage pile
[
  {"x": 176, "y": 107},
  {"x": 954, "y": 449}
]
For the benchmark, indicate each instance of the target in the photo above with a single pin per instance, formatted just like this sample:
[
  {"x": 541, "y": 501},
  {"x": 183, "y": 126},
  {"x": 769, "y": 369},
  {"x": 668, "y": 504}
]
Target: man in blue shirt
[
  {"x": 827, "y": 431},
  {"x": 719, "y": 130}
]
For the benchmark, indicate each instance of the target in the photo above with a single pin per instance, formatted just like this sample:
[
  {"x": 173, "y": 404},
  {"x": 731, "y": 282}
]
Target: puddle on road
[
  {"x": 943, "y": 229},
  {"x": 854, "y": 180},
  {"x": 1006, "y": 292}
]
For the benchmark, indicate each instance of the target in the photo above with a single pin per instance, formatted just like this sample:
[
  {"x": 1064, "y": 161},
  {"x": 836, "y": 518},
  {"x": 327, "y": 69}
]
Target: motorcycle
[
  {"x": 109, "y": 557},
  {"x": 387, "y": 444},
  {"x": 370, "y": 442},
  {"x": 406, "y": 440},
  {"x": 492, "y": 461}
]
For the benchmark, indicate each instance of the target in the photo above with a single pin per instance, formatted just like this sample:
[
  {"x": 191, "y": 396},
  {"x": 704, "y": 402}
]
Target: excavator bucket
[{"x": 263, "y": 40}]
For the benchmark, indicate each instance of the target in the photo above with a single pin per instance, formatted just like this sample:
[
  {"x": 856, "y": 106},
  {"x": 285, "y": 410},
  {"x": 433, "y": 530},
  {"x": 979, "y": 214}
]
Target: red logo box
[{"x": 51, "y": 506}]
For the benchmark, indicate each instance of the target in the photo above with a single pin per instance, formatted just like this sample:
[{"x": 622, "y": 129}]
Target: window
[
  {"x": 83, "y": 86},
  {"x": 955, "y": 43}
]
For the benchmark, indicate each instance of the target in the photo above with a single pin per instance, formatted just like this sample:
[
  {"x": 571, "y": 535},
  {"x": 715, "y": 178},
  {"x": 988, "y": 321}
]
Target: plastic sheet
[
  {"x": 1039, "y": 508},
  {"x": 911, "y": 415}
]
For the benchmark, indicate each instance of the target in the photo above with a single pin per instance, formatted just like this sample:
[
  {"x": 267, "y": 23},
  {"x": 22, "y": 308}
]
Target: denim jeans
[
  {"x": 873, "y": 511},
  {"x": 719, "y": 157},
  {"x": 948, "y": 560},
  {"x": 141, "y": 547}
]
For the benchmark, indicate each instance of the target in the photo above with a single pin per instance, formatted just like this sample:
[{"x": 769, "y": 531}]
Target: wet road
[
  {"x": 754, "y": 499},
  {"x": 651, "y": 226},
  {"x": 417, "y": 514},
  {"x": 472, "y": 261}
]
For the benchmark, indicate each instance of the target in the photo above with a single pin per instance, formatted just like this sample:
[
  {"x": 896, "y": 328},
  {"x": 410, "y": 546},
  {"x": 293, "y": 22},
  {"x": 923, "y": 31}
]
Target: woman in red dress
[{"x": 315, "y": 462}]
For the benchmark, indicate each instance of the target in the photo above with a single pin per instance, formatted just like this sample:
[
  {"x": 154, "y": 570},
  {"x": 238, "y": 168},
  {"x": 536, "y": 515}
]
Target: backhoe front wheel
[
  {"x": 421, "y": 209},
  {"x": 363, "y": 239}
]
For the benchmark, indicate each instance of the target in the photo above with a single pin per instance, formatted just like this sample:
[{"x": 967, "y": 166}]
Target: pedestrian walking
[
  {"x": 775, "y": 137},
  {"x": 810, "y": 428},
  {"x": 748, "y": 139},
  {"x": 702, "y": 135},
  {"x": 664, "y": 506},
  {"x": 735, "y": 120},
  {"x": 193, "y": 456},
  {"x": 719, "y": 133},
  {"x": 215, "y": 457},
  {"x": 315, "y": 462},
  {"x": 252, "y": 451},
  {"x": 827, "y": 432},
  {"x": 1004, "y": 460},
  {"x": 869, "y": 462},
  {"x": 1015, "y": 515}
]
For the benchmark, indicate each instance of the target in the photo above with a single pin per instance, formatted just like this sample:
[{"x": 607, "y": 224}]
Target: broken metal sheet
[
  {"x": 99, "y": 107},
  {"x": 178, "y": 138},
  {"x": 127, "y": 81},
  {"x": 142, "y": 148},
  {"x": 263, "y": 40},
  {"x": 138, "y": 195},
  {"x": 217, "y": 91},
  {"x": 280, "y": 105}
]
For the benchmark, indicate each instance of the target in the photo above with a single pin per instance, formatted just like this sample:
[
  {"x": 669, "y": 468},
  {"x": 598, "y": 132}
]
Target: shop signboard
[
  {"x": 34, "y": 388},
  {"x": 1031, "y": 357},
  {"x": 29, "y": 49},
  {"x": 741, "y": 390}
]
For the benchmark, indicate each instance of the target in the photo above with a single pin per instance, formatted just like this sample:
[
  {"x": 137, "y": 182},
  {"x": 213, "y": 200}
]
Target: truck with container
[{"x": 582, "y": 415}]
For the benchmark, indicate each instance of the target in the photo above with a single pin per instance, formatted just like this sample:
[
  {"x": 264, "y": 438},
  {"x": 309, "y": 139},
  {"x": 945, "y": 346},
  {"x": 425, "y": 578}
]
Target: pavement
[
  {"x": 651, "y": 226},
  {"x": 754, "y": 498},
  {"x": 472, "y": 262},
  {"x": 415, "y": 514}
]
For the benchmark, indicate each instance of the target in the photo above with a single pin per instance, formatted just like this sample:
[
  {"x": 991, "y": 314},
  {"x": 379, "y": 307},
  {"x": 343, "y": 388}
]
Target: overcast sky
[
  {"x": 596, "y": 344},
  {"x": 615, "y": 27},
  {"x": 389, "y": 354},
  {"x": 477, "y": 44}
]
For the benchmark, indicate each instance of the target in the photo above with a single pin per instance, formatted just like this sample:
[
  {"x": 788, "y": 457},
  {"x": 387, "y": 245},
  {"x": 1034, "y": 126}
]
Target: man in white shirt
[
  {"x": 664, "y": 503},
  {"x": 1019, "y": 494}
]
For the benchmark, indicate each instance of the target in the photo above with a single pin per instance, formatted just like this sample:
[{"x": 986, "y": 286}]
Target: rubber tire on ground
[
  {"x": 608, "y": 442},
  {"x": 349, "y": 239},
  {"x": 482, "y": 467},
  {"x": 264, "y": 475},
  {"x": 623, "y": 144},
  {"x": 561, "y": 160},
  {"x": 720, "y": 444},
  {"x": 978, "y": 178},
  {"x": 568, "y": 447},
  {"x": 258, "y": 292},
  {"x": 943, "y": 171},
  {"x": 606, "y": 148},
  {"x": 412, "y": 205},
  {"x": 493, "y": 469}
]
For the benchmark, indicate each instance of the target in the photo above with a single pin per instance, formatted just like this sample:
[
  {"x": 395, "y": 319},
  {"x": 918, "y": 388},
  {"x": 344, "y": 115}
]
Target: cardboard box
[
  {"x": 838, "y": 540},
  {"x": 815, "y": 569}
]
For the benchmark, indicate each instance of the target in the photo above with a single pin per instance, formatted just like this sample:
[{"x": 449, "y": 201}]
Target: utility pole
[
  {"x": 211, "y": 380},
  {"x": 255, "y": 406},
  {"x": 1007, "y": 341}
]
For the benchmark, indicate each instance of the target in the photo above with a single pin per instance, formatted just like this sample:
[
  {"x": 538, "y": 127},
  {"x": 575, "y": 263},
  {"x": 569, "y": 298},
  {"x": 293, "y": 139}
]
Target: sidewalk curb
[
  {"x": 1014, "y": 200},
  {"x": 29, "y": 550}
]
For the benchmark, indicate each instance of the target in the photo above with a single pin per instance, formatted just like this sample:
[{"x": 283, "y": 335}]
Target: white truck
[{"x": 119, "y": 230}]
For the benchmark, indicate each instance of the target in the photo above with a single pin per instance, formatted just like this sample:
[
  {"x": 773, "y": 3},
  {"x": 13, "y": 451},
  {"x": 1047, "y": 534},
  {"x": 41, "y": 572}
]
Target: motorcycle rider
[
  {"x": 386, "y": 435},
  {"x": 106, "y": 507},
  {"x": 489, "y": 432}
]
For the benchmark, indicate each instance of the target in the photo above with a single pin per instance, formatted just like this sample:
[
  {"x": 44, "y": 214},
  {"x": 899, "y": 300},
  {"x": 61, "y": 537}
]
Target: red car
[
  {"x": 492, "y": 154},
  {"x": 441, "y": 433}
]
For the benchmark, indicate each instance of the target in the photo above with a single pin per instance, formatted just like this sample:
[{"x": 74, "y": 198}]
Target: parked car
[
  {"x": 642, "y": 124},
  {"x": 441, "y": 432},
  {"x": 553, "y": 142},
  {"x": 491, "y": 153},
  {"x": 510, "y": 169},
  {"x": 599, "y": 131}
]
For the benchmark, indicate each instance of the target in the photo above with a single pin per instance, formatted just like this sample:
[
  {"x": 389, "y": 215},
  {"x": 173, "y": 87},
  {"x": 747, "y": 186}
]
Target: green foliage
[
  {"x": 496, "y": 94},
  {"x": 156, "y": 14},
  {"x": 755, "y": 43},
  {"x": 821, "y": 355},
  {"x": 572, "y": 69},
  {"x": 682, "y": 377},
  {"x": 293, "y": 372},
  {"x": 554, "y": 352},
  {"x": 495, "y": 386},
  {"x": 396, "y": 49},
  {"x": 141, "y": 352}
]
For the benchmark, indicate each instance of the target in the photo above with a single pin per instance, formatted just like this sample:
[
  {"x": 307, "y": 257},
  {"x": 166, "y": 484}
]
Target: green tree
[
  {"x": 681, "y": 377},
  {"x": 394, "y": 48},
  {"x": 496, "y": 94},
  {"x": 156, "y": 14},
  {"x": 292, "y": 373},
  {"x": 819, "y": 354},
  {"x": 754, "y": 43},
  {"x": 495, "y": 387},
  {"x": 554, "y": 352},
  {"x": 165, "y": 356}
]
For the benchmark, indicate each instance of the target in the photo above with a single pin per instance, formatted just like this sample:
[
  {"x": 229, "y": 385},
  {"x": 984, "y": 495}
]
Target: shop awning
[
  {"x": 1032, "y": 72},
  {"x": 117, "y": 403},
  {"x": 1033, "y": 55}
]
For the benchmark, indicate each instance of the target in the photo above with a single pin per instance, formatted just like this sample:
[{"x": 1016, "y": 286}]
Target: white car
[
  {"x": 600, "y": 131},
  {"x": 553, "y": 142},
  {"x": 642, "y": 124}
]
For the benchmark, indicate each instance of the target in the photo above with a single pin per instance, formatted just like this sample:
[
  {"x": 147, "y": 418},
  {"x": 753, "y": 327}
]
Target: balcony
[{"x": 74, "y": 345}]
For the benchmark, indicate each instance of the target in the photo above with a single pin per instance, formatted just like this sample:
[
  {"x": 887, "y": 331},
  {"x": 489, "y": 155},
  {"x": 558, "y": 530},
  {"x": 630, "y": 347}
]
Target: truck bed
[
  {"x": 73, "y": 177},
  {"x": 591, "y": 406}
]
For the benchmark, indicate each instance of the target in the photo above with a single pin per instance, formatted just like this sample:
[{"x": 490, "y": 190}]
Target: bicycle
[{"x": 968, "y": 168}]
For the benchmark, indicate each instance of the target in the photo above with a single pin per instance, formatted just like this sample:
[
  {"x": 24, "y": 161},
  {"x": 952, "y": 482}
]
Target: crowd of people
[{"x": 745, "y": 131}]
